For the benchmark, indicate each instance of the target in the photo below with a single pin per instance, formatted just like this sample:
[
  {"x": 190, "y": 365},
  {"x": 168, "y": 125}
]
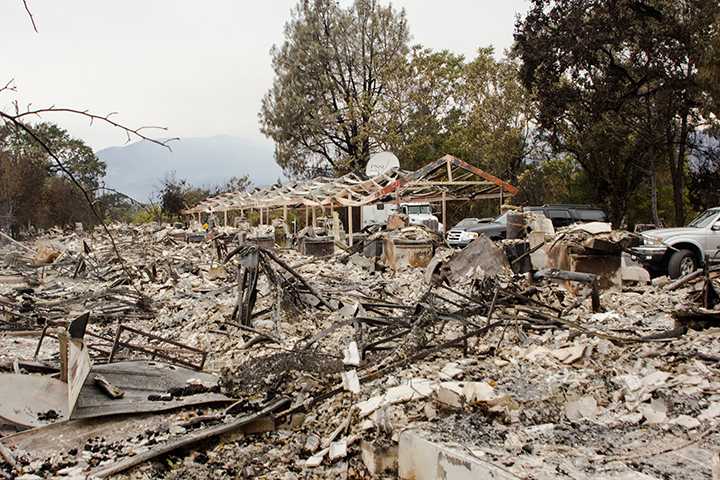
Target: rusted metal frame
[
  {"x": 54, "y": 337},
  {"x": 491, "y": 178},
  {"x": 157, "y": 352}
]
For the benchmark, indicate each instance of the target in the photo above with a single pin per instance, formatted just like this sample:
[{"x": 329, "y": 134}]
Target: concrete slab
[{"x": 422, "y": 459}]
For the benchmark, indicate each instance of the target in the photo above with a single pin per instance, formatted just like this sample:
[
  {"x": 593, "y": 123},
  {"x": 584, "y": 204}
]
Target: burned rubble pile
[{"x": 210, "y": 356}]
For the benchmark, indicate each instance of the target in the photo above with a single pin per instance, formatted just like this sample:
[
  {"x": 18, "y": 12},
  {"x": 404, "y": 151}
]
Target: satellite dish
[{"x": 380, "y": 163}]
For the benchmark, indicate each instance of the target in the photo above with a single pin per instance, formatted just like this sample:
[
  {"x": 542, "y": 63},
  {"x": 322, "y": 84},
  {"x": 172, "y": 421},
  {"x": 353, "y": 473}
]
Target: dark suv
[{"x": 560, "y": 215}]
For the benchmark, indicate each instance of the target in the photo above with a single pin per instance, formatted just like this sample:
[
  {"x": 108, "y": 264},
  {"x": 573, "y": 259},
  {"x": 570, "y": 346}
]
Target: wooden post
[
  {"x": 307, "y": 216},
  {"x": 225, "y": 215},
  {"x": 63, "y": 341},
  {"x": 444, "y": 214},
  {"x": 313, "y": 215},
  {"x": 285, "y": 213},
  {"x": 501, "y": 200},
  {"x": 350, "y": 227}
]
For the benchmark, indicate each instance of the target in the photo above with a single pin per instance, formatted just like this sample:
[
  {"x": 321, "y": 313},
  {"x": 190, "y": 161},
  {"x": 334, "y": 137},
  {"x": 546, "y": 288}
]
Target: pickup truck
[
  {"x": 679, "y": 251},
  {"x": 561, "y": 215}
]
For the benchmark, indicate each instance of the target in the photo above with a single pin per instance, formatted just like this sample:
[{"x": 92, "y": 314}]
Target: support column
[
  {"x": 444, "y": 214},
  {"x": 350, "y": 227},
  {"x": 501, "y": 200},
  {"x": 313, "y": 215},
  {"x": 261, "y": 215},
  {"x": 285, "y": 213},
  {"x": 307, "y": 216},
  {"x": 225, "y": 215}
]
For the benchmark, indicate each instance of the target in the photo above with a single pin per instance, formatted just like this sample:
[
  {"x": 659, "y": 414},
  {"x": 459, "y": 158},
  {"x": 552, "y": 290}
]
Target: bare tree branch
[
  {"x": 32, "y": 19},
  {"x": 9, "y": 86},
  {"x": 19, "y": 116}
]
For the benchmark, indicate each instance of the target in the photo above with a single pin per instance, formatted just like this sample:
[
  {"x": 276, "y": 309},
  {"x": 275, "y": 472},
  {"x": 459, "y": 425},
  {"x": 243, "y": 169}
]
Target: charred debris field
[{"x": 230, "y": 354}]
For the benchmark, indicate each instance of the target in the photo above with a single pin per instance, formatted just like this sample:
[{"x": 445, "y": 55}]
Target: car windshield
[
  {"x": 502, "y": 219},
  {"x": 418, "y": 209},
  {"x": 467, "y": 222},
  {"x": 704, "y": 219}
]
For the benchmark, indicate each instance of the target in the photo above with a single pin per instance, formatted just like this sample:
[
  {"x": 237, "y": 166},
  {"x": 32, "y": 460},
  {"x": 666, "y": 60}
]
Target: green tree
[
  {"x": 32, "y": 190},
  {"x": 327, "y": 102},
  {"x": 234, "y": 184},
  {"x": 423, "y": 106},
  {"x": 178, "y": 194},
  {"x": 77, "y": 157},
  {"x": 496, "y": 130},
  {"x": 624, "y": 96}
]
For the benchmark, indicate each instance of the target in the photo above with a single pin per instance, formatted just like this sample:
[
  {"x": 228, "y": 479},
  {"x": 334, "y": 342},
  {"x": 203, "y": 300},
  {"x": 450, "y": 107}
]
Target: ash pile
[{"x": 549, "y": 356}]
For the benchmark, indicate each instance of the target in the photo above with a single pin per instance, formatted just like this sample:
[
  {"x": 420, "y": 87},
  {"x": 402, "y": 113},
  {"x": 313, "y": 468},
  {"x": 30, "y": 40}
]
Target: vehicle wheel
[{"x": 681, "y": 263}]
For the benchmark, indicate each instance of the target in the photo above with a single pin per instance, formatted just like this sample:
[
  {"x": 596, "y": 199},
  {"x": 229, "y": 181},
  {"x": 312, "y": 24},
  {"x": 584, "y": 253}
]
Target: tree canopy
[
  {"x": 327, "y": 103},
  {"x": 33, "y": 190},
  {"x": 627, "y": 95}
]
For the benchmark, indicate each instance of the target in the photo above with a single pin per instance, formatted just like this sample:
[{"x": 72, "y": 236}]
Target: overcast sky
[{"x": 199, "y": 68}]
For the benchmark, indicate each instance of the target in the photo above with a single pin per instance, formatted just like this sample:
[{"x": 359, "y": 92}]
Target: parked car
[
  {"x": 679, "y": 251},
  {"x": 561, "y": 215}
]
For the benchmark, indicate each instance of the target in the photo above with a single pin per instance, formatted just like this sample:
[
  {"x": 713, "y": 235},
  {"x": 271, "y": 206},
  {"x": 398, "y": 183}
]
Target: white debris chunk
[
  {"x": 338, "y": 450},
  {"x": 686, "y": 421},
  {"x": 350, "y": 381},
  {"x": 451, "y": 371},
  {"x": 317, "y": 459},
  {"x": 413, "y": 390},
  {"x": 582, "y": 408},
  {"x": 713, "y": 411},
  {"x": 654, "y": 412},
  {"x": 351, "y": 355}
]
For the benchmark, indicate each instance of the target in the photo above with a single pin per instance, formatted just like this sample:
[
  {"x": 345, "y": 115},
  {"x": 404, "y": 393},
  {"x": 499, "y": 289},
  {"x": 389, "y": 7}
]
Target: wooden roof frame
[{"x": 448, "y": 178}]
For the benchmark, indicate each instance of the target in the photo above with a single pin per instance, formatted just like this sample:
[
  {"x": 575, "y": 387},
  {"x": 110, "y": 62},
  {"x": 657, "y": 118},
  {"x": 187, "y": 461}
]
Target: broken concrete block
[
  {"x": 458, "y": 394},
  {"x": 422, "y": 459},
  {"x": 362, "y": 262},
  {"x": 413, "y": 390},
  {"x": 448, "y": 396},
  {"x": 312, "y": 443},
  {"x": 215, "y": 273},
  {"x": 451, "y": 371},
  {"x": 317, "y": 459},
  {"x": 686, "y": 421},
  {"x": 379, "y": 459},
  {"x": 430, "y": 411},
  {"x": 351, "y": 355},
  {"x": 477, "y": 392},
  {"x": 713, "y": 411},
  {"x": 569, "y": 355},
  {"x": 338, "y": 450},
  {"x": 582, "y": 408},
  {"x": 654, "y": 412},
  {"x": 350, "y": 381},
  {"x": 349, "y": 310},
  {"x": 635, "y": 274},
  {"x": 264, "y": 324}
]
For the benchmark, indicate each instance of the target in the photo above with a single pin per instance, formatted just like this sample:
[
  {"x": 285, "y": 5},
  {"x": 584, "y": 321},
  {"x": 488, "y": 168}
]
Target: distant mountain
[{"x": 137, "y": 169}]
